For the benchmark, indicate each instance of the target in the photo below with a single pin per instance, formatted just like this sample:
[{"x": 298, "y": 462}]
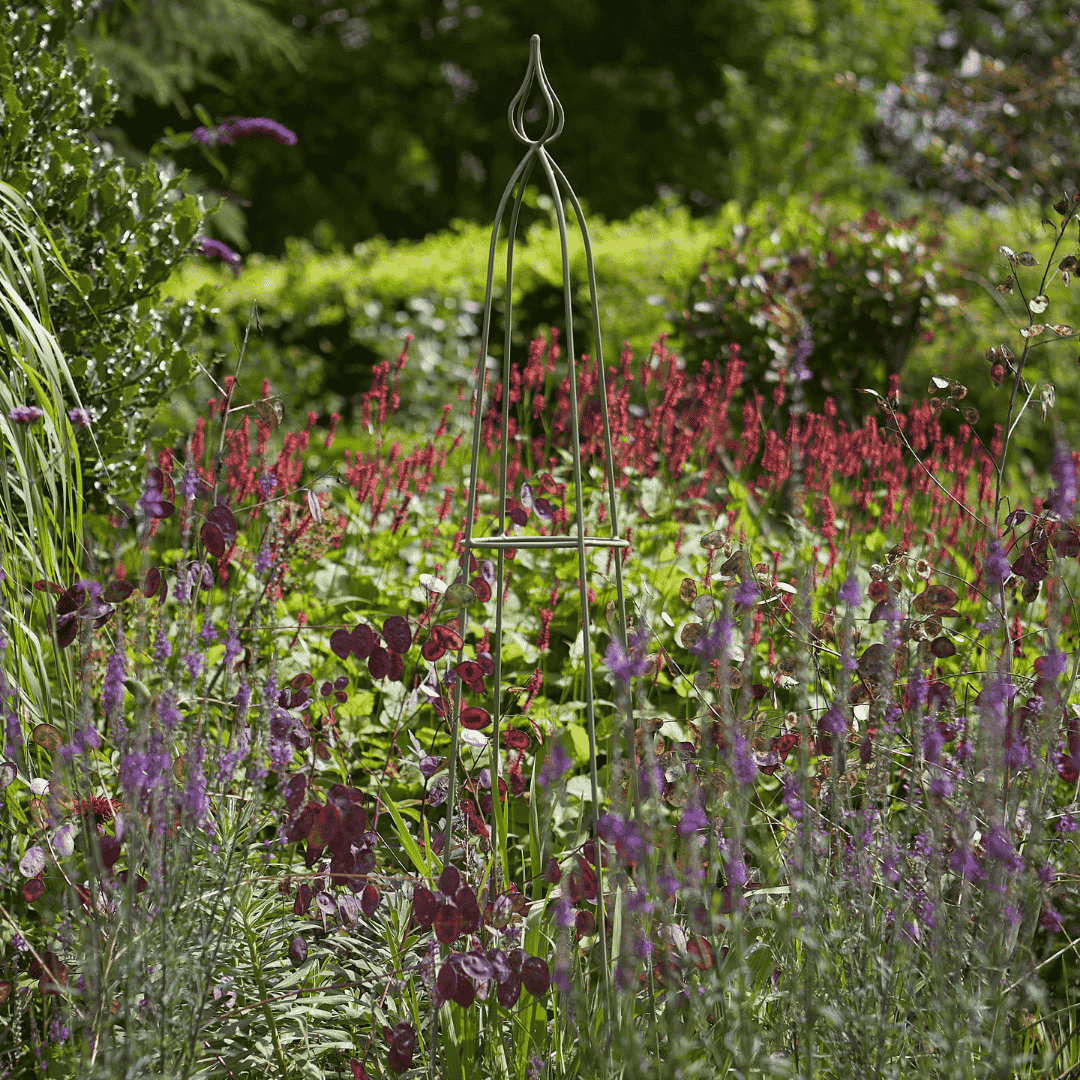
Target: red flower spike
[{"x": 397, "y": 634}]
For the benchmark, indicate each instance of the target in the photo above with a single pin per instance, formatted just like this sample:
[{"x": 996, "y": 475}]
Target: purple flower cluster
[
  {"x": 803, "y": 348},
  {"x": 626, "y": 666},
  {"x": 556, "y": 765},
  {"x": 25, "y": 414},
  {"x": 112, "y": 692},
  {"x": 79, "y": 418},
  {"x": 1063, "y": 473},
  {"x": 215, "y": 249},
  {"x": 996, "y": 568},
  {"x": 247, "y": 128},
  {"x": 850, "y": 592}
]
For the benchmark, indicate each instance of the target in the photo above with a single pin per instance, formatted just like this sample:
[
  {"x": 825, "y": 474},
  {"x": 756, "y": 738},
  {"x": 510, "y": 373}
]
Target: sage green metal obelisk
[{"x": 537, "y": 152}]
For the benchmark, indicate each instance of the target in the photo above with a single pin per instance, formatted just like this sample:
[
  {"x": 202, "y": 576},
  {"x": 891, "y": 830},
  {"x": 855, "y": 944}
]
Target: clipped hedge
[{"x": 913, "y": 298}]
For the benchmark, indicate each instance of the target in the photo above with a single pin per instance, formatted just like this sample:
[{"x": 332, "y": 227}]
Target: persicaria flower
[
  {"x": 25, "y": 414},
  {"x": 215, "y": 249}
]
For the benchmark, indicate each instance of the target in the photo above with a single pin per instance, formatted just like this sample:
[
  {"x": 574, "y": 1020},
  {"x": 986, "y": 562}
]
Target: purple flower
[
  {"x": 1050, "y": 920},
  {"x": 1066, "y": 824},
  {"x": 963, "y": 862},
  {"x": 1063, "y": 473},
  {"x": 1053, "y": 664},
  {"x": 693, "y": 821},
  {"x": 152, "y": 502},
  {"x": 252, "y": 127},
  {"x": 623, "y": 666},
  {"x": 208, "y": 633},
  {"x": 747, "y": 593},
  {"x": 195, "y": 663},
  {"x": 112, "y": 692},
  {"x": 189, "y": 485},
  {"x": 25, "y": 414},
  {"x": 996, "y": 568},
  {"x": 850, "y": 592},
  {"x": 215, "y": 249},
  {"x": 1000, "y": 848},
  {"x": 195, "y": 800},
  {"x": 942, "y": 785},
  {"x": 742, "y": 763},
  {"x": 556, "y": 766},
  {"x": 233, "y": 648},
  {"x": 717, "y": 642},
  {"x": 267, "y": 484},
  {"x": 564, "y": 913},
  {"x": 932, "y": 743},
  {"x": 202, "y": 135},
  {"x": 792, "y": 799},
  {"x": 803, "y": 348},
  {"x": 79, "y": 418},
  {"x": 162, "y": 647},
  {"x": 263, "y": 561}
]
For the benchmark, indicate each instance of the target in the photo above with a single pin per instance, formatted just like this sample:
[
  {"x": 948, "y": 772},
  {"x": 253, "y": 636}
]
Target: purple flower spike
[
  {"x": 203, "y": 135},
  {"x": 556, "y": 766},
  {"x": 625, "y": 667},
  {"x": 1063, "y": 473},
  {"x": 79, "y": 418},
  {"x": 215, "y": 249},
  {"x": 255, "y": 126},
  {"x": 25, "y": 414},
  {"x": 997, "y": 568},
  {"x": 850, "y": 592}
]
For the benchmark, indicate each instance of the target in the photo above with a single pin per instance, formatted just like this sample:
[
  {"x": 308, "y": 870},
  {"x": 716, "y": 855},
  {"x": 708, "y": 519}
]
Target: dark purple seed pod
[{"x": 297, "y": 951}]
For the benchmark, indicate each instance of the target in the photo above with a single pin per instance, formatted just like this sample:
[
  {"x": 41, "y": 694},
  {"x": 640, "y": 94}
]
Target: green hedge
[{"x": 326, "y": 318}]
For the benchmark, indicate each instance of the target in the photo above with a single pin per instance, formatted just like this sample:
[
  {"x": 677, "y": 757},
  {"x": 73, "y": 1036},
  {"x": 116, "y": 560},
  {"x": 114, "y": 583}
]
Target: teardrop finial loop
[{"x": 516, "y": 112}]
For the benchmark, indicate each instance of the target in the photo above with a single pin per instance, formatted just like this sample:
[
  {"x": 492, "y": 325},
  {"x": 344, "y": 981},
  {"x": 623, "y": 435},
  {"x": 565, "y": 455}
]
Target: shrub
[{"x": 121, "y": 230}]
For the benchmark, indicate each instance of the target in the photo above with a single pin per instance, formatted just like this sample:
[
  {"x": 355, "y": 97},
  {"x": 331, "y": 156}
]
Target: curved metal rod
[{"x": 537, "y": 152}]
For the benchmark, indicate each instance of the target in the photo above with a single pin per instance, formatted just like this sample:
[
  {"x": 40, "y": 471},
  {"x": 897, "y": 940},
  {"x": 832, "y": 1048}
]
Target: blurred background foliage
[{"x": 726, "y": 152}]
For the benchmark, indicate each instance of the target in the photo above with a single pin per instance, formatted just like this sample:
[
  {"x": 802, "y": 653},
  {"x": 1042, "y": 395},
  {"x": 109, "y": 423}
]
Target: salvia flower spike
[{"x": 537, "y": 152}]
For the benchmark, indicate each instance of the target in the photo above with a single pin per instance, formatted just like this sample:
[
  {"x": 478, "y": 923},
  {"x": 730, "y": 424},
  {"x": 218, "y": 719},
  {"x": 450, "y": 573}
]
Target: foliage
[
  {"x": 163, "y": 52},
  {"x": 120, "y": 229},
  {"x": 989, "y": 113},
  {"x": 400, "y": 108}
]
